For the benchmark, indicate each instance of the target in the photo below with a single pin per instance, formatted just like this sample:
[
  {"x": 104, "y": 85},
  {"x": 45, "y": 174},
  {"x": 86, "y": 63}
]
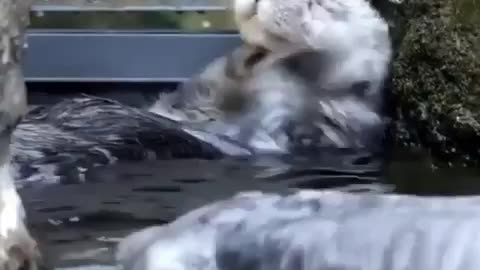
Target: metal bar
[
  {"x": 134, "y": 20},
  {"x": 121, "y": 56},
  {"x": 129, "y": 5},
  {"x": 60, "y": 8}
]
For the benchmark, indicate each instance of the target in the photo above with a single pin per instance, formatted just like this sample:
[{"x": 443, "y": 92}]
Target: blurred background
[{"x": 183, "y": 15}]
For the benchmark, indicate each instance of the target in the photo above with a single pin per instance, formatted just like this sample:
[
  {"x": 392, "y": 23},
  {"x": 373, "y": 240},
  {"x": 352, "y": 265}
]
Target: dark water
[{"x": 78, "y": 225}]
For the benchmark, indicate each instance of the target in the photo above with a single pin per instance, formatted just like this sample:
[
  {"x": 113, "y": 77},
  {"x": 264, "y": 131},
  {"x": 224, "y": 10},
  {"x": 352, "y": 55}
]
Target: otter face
[
  {"x": 350, "y": 32},
  {"x": 315, "y": 24}
]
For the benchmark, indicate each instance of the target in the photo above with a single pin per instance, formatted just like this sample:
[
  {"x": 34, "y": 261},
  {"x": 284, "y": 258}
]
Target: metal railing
[
  {"x": 125, "y": 40},
  {"x": 130, "y": 5},
  {"x": 121, "y": 56}
]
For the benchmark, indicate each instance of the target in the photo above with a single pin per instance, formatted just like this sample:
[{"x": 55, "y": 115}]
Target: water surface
[{"x": 78, "y": 224}]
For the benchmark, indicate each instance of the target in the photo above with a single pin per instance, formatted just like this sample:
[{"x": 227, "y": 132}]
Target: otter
[
  {"x": 302, "y": 96},
  {"x": 351, "y": 31},
  {"x": 351, "y": 34},
  {"x": 299, "y": 97},
  {"x": 60, "y": 143},
  {"x": 311, "y": 74},
  {"x": 319, "y": 83}
]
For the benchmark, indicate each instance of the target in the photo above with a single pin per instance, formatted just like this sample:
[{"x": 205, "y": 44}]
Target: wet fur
[
  {"x": 318, "y": 86},
  {"x": 60, "y": 143},
  {"x": 322, "y": 85},
  {"x": 281, "y": 104},
  {"x": 350, "y": 34}
]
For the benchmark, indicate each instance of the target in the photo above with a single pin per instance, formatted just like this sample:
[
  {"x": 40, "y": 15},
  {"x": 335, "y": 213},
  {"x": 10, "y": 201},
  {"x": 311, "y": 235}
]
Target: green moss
[
  {"x": 170, "y": 20},
  {"x": 437, "y": 80}
]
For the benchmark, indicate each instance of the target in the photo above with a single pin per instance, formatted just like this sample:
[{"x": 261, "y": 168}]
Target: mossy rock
[{"x": 437, "y": 79}]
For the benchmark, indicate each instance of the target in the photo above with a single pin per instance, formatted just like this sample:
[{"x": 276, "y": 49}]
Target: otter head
[{"x": 315, "y": 24}]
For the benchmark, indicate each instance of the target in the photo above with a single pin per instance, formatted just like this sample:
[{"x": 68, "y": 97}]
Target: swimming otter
[
  {"x": 325, "y": 81},
  {"x": 261, "y": 98},
  {"x": 312, "y": 75},
  {"x": 59, "y": 143}
]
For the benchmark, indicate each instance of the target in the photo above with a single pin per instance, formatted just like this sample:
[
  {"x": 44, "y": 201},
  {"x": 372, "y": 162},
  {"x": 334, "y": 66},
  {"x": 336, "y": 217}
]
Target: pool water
[{"x": 78, "y": 225}]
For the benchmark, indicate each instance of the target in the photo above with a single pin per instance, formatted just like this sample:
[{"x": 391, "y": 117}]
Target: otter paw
[{"x": 18, "y": 250}]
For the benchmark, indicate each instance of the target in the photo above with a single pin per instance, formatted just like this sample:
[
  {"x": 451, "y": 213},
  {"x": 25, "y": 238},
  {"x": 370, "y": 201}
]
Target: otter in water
[
  {"x": 320, "y": 83},
  {"x": 313, "y": 77},
  {"x": 55, "y": 144},
  {"x": 260, "y": 98}
]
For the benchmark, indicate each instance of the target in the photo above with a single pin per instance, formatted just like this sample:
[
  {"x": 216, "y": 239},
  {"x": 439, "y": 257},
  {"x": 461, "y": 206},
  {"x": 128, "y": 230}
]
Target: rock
[{"x": 437, "y": 79}]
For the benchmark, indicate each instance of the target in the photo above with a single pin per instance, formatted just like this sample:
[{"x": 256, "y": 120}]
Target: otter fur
[
  {"x": 59, "y": 143},
  {"x": 322, "y": 84}
]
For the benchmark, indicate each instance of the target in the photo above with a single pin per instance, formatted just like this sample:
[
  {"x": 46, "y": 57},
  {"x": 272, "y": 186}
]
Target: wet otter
[
  {"x": 321, "y": 83},
  {"x": 312, "y": 75},
  {"x": 60, "y": 143},
  {"x": 320, "y": 90}
]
